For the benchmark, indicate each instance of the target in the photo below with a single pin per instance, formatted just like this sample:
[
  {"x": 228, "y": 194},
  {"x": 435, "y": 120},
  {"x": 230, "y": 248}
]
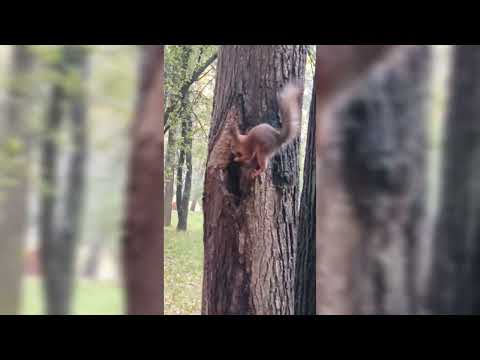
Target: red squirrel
[{"x": 263, "y": 141}]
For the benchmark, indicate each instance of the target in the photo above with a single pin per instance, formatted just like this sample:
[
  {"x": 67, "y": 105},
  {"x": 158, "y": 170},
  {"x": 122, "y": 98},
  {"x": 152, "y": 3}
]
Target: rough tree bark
[
  {"x": 456, "y": 246},
  {"x": 14, "y": 199},
  {"x": 371, "y": 185},
  {"x": 143, "y": 237},
  {"x": 305, "y": 260},
  {"x": 250, "y": 226},
  {"x": 60, "y": 244}
]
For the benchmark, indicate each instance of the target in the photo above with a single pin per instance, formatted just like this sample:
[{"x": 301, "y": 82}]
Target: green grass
[
  {"x": 183, "y": 279},
  {"x": 183, "y": 267},
  {"x": 90, "y": 298}
]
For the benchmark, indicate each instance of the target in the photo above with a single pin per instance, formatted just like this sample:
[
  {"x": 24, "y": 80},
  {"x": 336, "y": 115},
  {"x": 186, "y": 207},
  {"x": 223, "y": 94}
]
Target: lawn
[
  {"x": 183, "y": 279},
  {"x": 184, "y": 267},
  {"x": 90, "y": 298}
]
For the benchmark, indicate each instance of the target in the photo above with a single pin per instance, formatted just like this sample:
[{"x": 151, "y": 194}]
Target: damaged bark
[{"x": 250, "y": 225}]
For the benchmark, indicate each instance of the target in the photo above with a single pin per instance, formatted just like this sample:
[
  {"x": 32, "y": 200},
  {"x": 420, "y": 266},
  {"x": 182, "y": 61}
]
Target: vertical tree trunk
[
  {"x": 14, "y": 199},
  {"x": 93, "y": 260},
  {"x": 371, "y": 173},
  {"x": 143, "y": 238},
  {"x": 170, "y": 173},
  {"x": 185, "y": 161},
  {"x": 305, "y": 261},
  {"x": 176, "y": 118},
  {"x": 51, "y": 263},
  {"x": 456, "y": 247},
  {"x": 60, "y": 238},
  {"x": 250, "y": 226},
  {"x": 193, "y": 206}
]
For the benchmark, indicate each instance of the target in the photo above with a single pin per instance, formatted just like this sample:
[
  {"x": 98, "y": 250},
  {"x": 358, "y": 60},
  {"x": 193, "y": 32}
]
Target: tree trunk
[
  {"x": 143, "y": 238},
  {"x": 456, "y": 247},
  {"x": 170, "y": 173},
  {"x": 371, "y": 185},
  {"x": 14, "y": 199},
  {"x": 250, "y": 226},
  {"x": 51, "y": 262},
  {"x": 61, "y": 243},
  {"x": 173, "y": 125},
  {"x": 93, "y": 260},
  {"x": 305, "y": 261},
  {"x": 184, "y": 161},
  {"x": 193, "y": 206}
]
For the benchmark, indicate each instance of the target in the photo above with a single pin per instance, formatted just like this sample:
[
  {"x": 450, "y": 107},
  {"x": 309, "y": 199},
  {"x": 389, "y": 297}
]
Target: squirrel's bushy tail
[{"x": 289, "y": 102}]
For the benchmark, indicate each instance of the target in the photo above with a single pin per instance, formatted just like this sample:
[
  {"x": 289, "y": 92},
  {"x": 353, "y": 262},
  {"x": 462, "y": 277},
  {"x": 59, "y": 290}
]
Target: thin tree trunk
[
  {"x": 14, "y": 199},
  {"x": 93, "y": 260},
  {"x": 250, "y": 227},
  {"x": 193, "y": 206},
  {"x": 143, "y": 238},
  {"x": 456, "y": 247},
  {"x": 371, "y": 173},
  {"x": 305, "y": 261},
  {"x": 184, "y": 161},
  {"x": 170, "y": 173}
]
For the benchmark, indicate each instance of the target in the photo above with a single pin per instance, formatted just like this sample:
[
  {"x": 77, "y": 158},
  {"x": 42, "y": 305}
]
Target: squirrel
[{"x": 263, "y": 141}]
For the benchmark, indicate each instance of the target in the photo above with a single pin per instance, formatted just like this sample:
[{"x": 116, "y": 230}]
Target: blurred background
[{"x": 64, "y": 120}]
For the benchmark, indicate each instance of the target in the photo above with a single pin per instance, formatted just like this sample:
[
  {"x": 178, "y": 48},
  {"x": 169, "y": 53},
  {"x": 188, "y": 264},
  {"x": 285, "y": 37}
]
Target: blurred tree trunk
[
  {"x": 49, "y": 197},
  {"x": 250, "y": 226},
  {"x": 371, "y": 203},
  {"x": 61, "y": 237},
  {"x": 193, "y": 206},
  {"x": 14, "y": 203},
  {"x": 305, "y": 260},
  {"x": 143, "y": 238},
  {"x": 198, "y": 187},
  {"x": 456, "y": 247},
  {"x": 93, "y": 259}
]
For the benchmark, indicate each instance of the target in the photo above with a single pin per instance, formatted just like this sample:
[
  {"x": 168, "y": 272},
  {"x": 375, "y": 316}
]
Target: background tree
[
  {"x": 455, "y": 272},
  {"x": 186, "y": 65},
  {"x": 143, "y": 238},
  {"x": 371, "y": 184},
  {"x": 111, "y": 86},
  {"x": 15, "y": 153},
  {"x": 250, "y": 244},
  {"x": 60, "y": 235}
]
